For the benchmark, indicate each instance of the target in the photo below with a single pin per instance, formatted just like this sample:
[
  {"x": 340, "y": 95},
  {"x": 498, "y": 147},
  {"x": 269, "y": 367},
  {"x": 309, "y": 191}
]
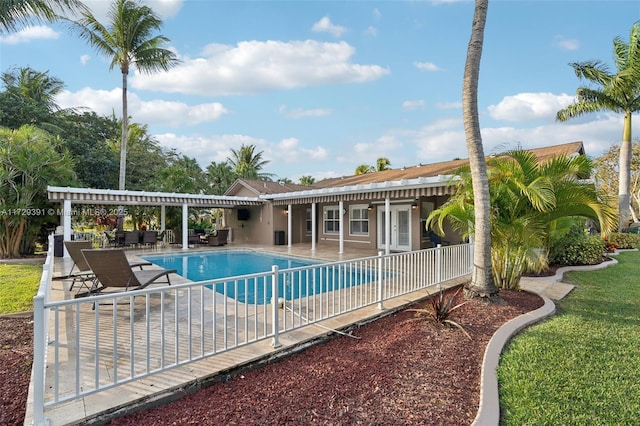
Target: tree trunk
[
  {"x": 624, "y": 175},
  {"x": 481, "y": 284},
  {"x": 123, "y": 145}
]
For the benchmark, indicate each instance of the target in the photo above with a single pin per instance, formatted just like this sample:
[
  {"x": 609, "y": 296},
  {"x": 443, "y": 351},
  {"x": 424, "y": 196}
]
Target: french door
[{"x": 400, "y": 220}]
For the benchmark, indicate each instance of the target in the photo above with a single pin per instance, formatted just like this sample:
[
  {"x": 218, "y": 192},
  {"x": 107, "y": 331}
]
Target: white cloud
[
  {"x": 163, "y": 8},
  {"x": 156, "y": 112},
  {"x": 84, "y": 59},
  {"x": 371, "y": 31},
  {"x": 565, "y": 43},
  {"x": 449, "y": 105},
  {"x": 412, "y": 105},
  {"x": 369, "y": 152},
  {"x": 529, "y": 107},
  {"x": 28, "y": 34},
  {"x": 325, "y": 25},
  {"x": 427, "y": 66},
  {"x": 257, "y": 66},
  {"x": 297, "y": 113},
  {"x": 377, "y": 14}
]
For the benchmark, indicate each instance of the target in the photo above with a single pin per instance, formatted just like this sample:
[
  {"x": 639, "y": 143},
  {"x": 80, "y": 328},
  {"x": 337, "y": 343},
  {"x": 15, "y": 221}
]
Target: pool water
[{"x": 233, "y": 263}]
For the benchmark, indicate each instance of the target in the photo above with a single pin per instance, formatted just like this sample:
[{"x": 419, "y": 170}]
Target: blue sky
[{"x": 324, "y": 86}]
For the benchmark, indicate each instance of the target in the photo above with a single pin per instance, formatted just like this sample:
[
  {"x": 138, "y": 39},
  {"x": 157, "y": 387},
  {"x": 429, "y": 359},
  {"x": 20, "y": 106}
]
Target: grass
[
  {"x": 18, "y": 285},
  {"x": 582, "y": 366}
]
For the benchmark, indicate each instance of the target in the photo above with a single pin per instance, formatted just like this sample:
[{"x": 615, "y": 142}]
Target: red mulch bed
[{"x": 401, "y": 370}]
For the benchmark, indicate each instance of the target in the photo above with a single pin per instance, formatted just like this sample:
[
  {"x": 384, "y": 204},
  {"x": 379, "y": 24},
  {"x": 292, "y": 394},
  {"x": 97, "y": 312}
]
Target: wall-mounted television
[{"x": 244, "y": 214}]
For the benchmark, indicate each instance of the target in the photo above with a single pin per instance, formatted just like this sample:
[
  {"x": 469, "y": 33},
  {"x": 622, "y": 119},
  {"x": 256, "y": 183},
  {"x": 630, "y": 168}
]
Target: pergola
[{"x": 110, "y": 197}]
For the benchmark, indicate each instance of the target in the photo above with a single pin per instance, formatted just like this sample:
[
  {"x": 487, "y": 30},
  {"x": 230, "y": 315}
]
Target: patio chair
[
  {"x": 131, "y": 238},
  {"x": 113, "y": 272},
  {"x": 191, "y": 239},
  {"x": 111, "y": 239},
  {"x": 85, "y": 274},
  {"x": 150, "y": 238},
  {"x": 437, "y": 239},
  {"x": 219, "y": 238}
]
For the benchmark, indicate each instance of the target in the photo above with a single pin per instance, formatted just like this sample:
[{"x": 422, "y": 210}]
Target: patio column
[
  {"x": 289, "y": 224},
  {"x": 341, "y": 214},
  {"x": 313, "y": 227},
  {"x": 163, "y": 217},
  {"x": 66, "y": 223},
  {"x": 387, "y": 225},
  {"x": 185, "y": 226}
]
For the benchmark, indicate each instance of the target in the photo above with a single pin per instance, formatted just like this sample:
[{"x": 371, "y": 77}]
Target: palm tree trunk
[
  {"x": 481, "y": 284},
  {"x": 125, "y": 128},
  {"x": 624, "y": 175},
  {"x": 123, "y": 146}
]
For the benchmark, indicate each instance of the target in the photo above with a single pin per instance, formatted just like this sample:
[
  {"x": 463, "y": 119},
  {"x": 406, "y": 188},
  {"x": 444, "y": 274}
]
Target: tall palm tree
[
  {"x": 481, "y": 284},
  {"x": 528, "y": 199},
  {"x": 14, "y": 13},
  {"x": 246, "y": 163},
  {"x": 129, "y": 41},
  {"x": 620, "y": 93}
]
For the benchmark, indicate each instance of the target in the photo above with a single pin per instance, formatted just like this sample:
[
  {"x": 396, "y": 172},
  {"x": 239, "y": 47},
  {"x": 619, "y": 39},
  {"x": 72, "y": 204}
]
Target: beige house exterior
[{"x": 383, "y": 210}]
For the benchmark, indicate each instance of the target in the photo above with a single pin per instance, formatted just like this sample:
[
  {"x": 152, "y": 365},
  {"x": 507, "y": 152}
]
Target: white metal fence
[{"x": 135, "y": 334}]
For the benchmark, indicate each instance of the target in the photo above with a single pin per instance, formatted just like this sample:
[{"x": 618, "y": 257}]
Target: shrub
[
  {"x": 577, "y": 248},
  {"x": 625, "y": 241},
  {"x": 441, "y": 309}
]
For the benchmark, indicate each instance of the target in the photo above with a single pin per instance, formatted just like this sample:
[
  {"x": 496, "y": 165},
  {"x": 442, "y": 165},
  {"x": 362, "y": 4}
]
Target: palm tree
[
  {"x": 363, "y": 169},
  {"x": 481, "y": 284},
  {"x": 528, "y": 200},
  {"x": 383, "y": 163},
  {"x": 30, "y": 159},
  {"x": 307, "y": 180},
  {"x": 247, "y": 164},
  {"x": 129, "y": 42},
  {"x": 29, "y": 98},
  {"x": 14, "y": 13},
  {"x": 620, "y": 93}
]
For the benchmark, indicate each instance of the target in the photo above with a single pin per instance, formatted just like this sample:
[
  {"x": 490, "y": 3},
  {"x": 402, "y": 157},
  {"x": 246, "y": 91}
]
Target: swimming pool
[{"x": 304, "y": 277}]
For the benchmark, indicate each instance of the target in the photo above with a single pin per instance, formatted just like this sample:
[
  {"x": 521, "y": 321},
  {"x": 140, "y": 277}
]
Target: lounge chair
[
  {"x": 113, "y": 271},
  {"x": 219, "y": 238},
  {"x": 85, "y": 275}
]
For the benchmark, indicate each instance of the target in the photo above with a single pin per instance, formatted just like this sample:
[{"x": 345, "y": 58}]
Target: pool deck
[{"x": 176, "y": 382}]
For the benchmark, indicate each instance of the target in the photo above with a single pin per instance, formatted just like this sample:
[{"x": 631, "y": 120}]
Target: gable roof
[{"x": 261, "y": 187}]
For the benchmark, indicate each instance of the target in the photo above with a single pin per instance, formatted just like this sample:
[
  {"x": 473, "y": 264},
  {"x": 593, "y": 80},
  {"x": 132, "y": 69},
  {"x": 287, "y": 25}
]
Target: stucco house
[{"x": 383, "y": 210}]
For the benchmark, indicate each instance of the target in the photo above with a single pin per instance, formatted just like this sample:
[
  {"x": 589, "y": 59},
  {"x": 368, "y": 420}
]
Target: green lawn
[
  {"x": 18, "y": 285},
  {"x": 582, "y": 366}
]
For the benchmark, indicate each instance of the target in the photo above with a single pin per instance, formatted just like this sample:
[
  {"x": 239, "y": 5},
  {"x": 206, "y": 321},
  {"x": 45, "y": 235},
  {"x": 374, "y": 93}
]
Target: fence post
[
  {"x": 439, "y": 266},
  {"x": 39, "y": 369},
  {"x": 275, "y": 305},
  {"x": 380, "y": 276}
]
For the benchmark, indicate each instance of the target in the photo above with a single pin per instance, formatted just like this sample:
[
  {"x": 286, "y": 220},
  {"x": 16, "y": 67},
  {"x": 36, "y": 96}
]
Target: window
[
  {"x": 359, "y": 220},
  {"x": 331, "y": 219},
  {"x": 308, "y": 222}
]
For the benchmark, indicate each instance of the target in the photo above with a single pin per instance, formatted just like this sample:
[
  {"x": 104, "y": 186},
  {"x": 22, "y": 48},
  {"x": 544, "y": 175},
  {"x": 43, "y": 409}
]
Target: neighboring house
[
  {"x": 383, "y": 210},
  {"x": 353, "y": 211}
]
